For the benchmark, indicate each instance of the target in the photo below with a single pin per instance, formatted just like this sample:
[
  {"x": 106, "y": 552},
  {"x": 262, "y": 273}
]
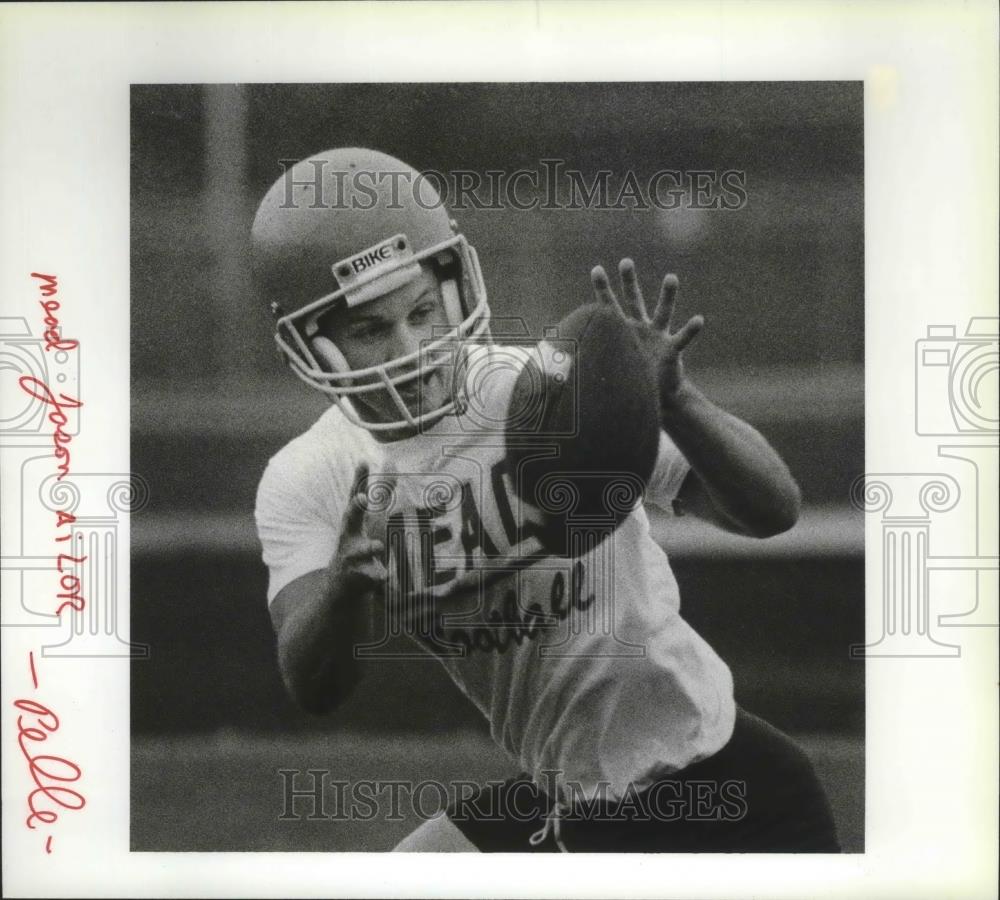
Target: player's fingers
[
  {"x": 362, "y": 548},
  {"x": 692, "y": 328},
  {"x": 354, "y": 517},
  {"x": 665, "y": 305},
  {"x": 360, "y": 482},
  {"x": 602, "y": 289},
  {"x": 369, "y": 571},
  {"x": 373, "y": 570},
  {"x": 634, "y": 304}
]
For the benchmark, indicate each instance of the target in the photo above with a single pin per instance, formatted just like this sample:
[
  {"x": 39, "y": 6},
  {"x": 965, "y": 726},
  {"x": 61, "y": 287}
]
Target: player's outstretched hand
[
  {"x": 358, "y": 561},
  {"x": 663, "y": 345}
]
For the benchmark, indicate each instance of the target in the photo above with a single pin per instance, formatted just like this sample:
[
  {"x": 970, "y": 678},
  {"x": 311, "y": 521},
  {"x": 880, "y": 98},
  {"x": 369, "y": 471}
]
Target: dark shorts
[{"x": 759, "y": 794}]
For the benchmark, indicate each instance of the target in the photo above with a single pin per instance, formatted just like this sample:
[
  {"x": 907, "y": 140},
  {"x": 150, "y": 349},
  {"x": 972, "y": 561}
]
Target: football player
[{"x": 621, "y": 717}]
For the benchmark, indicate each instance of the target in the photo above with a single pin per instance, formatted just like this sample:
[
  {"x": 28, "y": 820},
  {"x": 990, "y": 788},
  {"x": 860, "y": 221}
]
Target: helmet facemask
[{"x": 313, "y": 354}]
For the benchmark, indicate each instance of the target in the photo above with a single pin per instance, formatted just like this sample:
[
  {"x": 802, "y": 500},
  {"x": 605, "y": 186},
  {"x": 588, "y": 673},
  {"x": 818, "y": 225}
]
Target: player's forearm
[
  {"x": 747, "y": 480},
  {"x": 316, "y": 646}
]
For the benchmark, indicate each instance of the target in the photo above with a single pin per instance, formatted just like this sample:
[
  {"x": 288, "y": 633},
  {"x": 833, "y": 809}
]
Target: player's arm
[
  {"x": 319, "y": 618},
  {"x": 738, "y": 481}
]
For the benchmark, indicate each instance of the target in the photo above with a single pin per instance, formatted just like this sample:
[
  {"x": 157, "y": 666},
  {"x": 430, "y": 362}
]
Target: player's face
[{"x": 396, "y": 324}]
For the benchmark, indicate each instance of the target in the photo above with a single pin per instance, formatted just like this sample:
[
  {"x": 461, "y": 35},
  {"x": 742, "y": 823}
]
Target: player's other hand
[
  {"x": 358, "y": 563},
  {"x": 663, "y": 345}
]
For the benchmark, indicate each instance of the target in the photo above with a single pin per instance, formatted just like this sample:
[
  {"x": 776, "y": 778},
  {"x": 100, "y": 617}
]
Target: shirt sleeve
[
  {"x": 298, "y": 532},
  {"x": 668, "y": 474}
]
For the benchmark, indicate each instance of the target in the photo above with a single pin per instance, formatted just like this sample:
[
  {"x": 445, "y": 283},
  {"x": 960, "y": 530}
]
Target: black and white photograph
[
  {"x": 548, "y": 546},
  {"x": 544, "y": 428}
]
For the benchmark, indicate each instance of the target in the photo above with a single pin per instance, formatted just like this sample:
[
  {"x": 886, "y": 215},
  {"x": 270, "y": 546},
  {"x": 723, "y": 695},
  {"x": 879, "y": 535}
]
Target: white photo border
[{"x": 931, "y": 124}]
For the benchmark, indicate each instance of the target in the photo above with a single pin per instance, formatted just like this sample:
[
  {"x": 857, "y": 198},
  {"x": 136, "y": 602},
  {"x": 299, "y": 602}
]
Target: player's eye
[
  {"x": 422, "y": 312},
  {"x": 367, "y": 330}
]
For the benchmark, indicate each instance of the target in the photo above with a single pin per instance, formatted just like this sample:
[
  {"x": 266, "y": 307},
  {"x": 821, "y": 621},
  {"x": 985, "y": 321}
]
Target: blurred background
[{"x": 780, "y": 281}]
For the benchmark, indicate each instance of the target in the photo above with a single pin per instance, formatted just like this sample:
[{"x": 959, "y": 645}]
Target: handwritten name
[
  {"x": 35, "y": 387},
  {"x": 50, "y": 774},
  {"x": 69, "y": 581}
]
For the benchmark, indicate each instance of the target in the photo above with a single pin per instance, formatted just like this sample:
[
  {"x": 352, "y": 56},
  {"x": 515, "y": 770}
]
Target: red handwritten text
[
  {"x": 33, "y": 387},
  {"x": 53, "y": 334},
  {"x": 52, "y": 775},
  {"x": 69, "y": 581}
]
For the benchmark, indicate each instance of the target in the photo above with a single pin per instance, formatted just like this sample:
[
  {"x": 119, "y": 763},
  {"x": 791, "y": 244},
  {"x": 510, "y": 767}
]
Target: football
[{"x": 582, "y": 429}]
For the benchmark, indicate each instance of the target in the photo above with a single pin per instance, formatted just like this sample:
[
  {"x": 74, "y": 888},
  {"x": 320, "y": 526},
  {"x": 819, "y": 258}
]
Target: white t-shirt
[{"x": 583, "y": 667}]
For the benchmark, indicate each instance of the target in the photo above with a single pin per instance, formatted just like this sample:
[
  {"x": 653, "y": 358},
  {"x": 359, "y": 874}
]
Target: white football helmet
[{"x": 344, "y": 227}]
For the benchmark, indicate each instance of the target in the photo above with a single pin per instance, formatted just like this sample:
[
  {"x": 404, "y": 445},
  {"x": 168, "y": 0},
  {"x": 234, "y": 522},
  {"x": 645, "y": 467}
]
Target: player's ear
[{"x": 329, "y": 357}]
